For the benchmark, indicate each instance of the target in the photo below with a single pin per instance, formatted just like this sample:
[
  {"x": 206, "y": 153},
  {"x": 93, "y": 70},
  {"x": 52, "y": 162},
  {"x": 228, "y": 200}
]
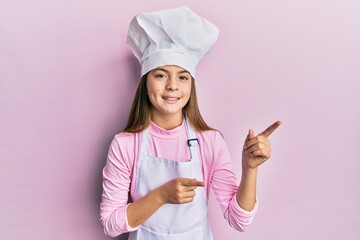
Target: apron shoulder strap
[{"x": 193, "y": 141}]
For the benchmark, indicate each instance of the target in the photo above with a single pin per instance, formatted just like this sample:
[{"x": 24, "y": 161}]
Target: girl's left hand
[{"x": 257, "y": 149}]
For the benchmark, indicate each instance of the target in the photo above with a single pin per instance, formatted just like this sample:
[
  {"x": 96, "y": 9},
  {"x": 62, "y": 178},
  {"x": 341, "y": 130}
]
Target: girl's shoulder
[
  {"x": 125, "y": 135},
  {"x": 125, "y": 140},
  {"x": 212, "y": 145},
  {"x": 125, "y": 147},
  {"x": 212, "y": 137}
]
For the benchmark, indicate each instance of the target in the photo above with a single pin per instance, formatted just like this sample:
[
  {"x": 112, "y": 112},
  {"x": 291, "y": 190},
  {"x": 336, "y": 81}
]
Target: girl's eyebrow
[
  {"x": 161, "y": 69},
  {"x": 164, "y": 70},
  {"x": 184, "y": 71}
]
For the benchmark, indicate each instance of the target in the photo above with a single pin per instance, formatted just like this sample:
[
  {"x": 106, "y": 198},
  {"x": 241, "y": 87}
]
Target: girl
[{"x": 160, "y": 168}]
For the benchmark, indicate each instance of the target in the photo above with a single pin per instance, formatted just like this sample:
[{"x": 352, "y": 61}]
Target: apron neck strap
[{"x": 193, "y": 141}]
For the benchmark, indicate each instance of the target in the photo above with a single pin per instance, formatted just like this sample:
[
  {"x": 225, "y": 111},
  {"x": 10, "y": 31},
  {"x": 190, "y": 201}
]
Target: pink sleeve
[
  {"x": 116, "y": 183},
  {"x": 225, "y": 186}
]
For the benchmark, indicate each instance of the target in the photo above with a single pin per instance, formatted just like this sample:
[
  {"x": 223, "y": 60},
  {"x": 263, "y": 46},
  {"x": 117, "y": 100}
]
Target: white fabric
[
  {"x": 175, "y": 36},
  {"x": 187, "y": 221}
]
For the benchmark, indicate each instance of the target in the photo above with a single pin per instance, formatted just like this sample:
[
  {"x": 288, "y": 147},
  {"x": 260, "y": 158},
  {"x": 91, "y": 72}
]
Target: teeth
[{"x": 170, "y": 98}]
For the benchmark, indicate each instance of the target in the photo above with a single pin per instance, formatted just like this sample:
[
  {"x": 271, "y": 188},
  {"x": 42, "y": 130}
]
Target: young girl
[{"x": 159, "y": 170}]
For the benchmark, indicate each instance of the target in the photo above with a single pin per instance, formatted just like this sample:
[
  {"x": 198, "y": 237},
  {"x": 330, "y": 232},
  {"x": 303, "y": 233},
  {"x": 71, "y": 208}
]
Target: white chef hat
[{"x": 175, "y": 36}]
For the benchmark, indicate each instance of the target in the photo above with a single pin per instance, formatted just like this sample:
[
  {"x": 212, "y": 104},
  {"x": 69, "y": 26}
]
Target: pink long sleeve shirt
[{"x": 120, "y": 170}]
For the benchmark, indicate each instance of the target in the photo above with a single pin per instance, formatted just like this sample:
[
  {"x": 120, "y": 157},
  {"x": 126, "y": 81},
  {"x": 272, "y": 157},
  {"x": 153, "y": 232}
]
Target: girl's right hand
[{"x": 179, "y": 190}]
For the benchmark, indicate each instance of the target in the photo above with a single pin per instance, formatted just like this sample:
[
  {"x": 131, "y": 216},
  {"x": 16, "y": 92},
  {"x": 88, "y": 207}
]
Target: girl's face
[{"x": 169, "y": 89}]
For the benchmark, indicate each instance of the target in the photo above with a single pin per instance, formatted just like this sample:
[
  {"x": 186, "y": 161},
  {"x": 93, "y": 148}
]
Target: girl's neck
[{"x": 168, "y": 122}]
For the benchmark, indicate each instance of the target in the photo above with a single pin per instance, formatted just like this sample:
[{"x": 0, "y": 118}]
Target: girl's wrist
[
  {"x": 158, "y": 196},
  {"x": 250, "y": 171}
]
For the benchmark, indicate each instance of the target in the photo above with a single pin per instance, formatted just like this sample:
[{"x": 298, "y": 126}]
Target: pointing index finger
[
  {"x": 199, "y": 184},
  {"x": 192, "y": 182},
  {"x": 271, "y": 129}
]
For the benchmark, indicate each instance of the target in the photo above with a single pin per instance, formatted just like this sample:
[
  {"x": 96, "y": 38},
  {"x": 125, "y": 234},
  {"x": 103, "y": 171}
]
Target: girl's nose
[{"x": 171, "y": 84}]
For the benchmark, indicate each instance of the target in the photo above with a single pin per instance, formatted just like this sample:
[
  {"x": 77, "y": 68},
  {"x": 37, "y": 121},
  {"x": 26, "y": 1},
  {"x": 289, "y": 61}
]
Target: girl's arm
[
  {"x": 223, "y": 181},
  {"x": 246, "y": 194},
  {"x": 117, "y": 216},
  {"x": 256, "y": 151},
  {"x": 176, "y": 191}
]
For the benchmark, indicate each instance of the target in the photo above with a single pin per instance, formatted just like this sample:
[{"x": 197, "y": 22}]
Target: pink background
[{"x": 67, "y": 79}]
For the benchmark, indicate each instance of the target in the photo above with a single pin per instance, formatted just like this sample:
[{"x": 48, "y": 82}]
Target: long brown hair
[{"x": 139, "y": 116}]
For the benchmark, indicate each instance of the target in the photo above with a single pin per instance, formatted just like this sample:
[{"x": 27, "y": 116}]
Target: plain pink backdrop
[{"x": 67, "y": 79}]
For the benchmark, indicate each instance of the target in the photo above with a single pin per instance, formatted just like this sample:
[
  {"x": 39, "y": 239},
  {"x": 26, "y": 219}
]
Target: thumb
[{"x": 250, "y": 135}]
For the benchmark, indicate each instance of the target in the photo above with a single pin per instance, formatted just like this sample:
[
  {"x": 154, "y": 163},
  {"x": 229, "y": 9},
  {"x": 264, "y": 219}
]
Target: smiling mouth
[{"x": 170, "y": 99}]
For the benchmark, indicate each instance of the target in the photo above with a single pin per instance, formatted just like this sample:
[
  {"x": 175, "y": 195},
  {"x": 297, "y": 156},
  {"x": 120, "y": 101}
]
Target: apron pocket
[{"x": 197, "y": 233}]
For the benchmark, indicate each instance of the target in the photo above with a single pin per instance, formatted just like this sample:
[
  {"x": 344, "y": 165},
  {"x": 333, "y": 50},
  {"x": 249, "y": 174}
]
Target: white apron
[{"x": 187, "y": 221}]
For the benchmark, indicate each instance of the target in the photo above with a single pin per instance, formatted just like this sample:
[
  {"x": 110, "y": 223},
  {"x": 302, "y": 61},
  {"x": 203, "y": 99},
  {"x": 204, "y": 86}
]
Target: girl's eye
[
  {"x": 160, "y": 76},
  {"x": 184, "y": 78}
]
